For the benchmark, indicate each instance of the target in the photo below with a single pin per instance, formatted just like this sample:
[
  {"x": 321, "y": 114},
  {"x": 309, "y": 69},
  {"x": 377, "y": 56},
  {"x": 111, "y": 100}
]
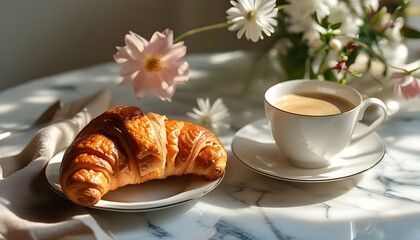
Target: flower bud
[
  {"x": 335, "y": 45},
  {"x": 383, "y": 23},
  {"x": 351, "y": 47},
  {"x": 336, "y": 32}
]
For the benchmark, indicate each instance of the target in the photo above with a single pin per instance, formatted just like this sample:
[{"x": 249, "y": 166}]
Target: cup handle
[{"x": 372, "y": 127}]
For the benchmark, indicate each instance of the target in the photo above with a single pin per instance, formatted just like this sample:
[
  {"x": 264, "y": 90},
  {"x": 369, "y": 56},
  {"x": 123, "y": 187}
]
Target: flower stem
[
  {"x": 201, "y": 29},
  {"x": 407, "y": 72},
  {"x": 398, "y": 68},
  {"x": 413, "y": 70},
  {"x": 321, "y": 65},
  {"x": 281, "y": 7}
]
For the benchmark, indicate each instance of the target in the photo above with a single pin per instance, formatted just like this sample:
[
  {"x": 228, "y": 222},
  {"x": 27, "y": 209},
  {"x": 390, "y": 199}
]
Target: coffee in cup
[
  {"x": 312, "y": 121},
  {"x": 313, "y": 103}
]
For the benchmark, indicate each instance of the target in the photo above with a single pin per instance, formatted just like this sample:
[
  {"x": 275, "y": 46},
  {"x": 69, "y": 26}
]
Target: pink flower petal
[
  {"x": 175, "y": 53},
  {"x": 126, "y": 81},
  {"x": 139, "y": 89},
  {"x": 397, "y": 90},
  {"x": 160, "y": 81},
  {"x": 135, "y": 45},
  {"x": 129, "y": 67},
  {"x": 156, "y": 36},
  {"x": 397, "y": 75},
  {"x": 183, "y": 73},
  {"x": 122, "y": 55},
  {"x": 170, "y": 71},
  {"x": 157, "y": 47},
  {"x": 169, "y": 34},
  {"x": 408, "y": 87}
]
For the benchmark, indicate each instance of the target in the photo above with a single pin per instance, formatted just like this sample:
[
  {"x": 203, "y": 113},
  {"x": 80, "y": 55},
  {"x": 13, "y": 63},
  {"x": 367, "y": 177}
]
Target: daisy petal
[
  {"x": 208, "y": 115},
  {"x": 252, "y": 18}
]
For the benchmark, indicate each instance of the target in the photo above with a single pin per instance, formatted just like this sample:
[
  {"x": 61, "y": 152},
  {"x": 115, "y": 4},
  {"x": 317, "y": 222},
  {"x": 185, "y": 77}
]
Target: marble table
[{"x": 381, "y": 203}]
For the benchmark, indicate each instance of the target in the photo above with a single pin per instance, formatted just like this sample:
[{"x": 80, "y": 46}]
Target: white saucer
[
  {"x": 152, "y": 195},
  {"x": 254, "y": 146}
]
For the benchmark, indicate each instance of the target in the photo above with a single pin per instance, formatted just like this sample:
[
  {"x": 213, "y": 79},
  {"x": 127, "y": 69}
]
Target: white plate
[
  {"x": 152, "y": 195},
  {"x": 254, "y": 146}
]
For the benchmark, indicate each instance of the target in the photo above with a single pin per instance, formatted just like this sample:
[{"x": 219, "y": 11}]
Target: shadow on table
[
  {"x": 255, "y": 189},
  {"x": 170, "y": 223}
]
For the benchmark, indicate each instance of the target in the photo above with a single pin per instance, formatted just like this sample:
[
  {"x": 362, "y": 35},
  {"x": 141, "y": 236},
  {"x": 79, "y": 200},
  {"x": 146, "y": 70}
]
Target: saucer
[
  {"x": 254, "y": 146},
  {"x": 148, "y": 196}
]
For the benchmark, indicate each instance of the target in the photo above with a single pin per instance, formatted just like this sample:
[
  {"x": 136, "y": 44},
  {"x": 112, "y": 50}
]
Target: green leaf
[
  {"x": 297, "y": 62},
  {"x": 351, "y": 58},
  {"x": 410, "y": 32},
  {"x": 330, "y": 76},
  {"x": 325, "y": 23},
  {"x": 336, "y": 26},
  {"x": 315, "y": 17}
]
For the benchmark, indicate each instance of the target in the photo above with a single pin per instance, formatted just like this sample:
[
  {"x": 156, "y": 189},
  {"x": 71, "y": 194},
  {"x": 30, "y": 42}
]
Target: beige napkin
[{"x": 29, "y": 209}]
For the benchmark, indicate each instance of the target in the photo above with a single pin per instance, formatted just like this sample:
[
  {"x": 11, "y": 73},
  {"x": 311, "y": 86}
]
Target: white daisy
[
  {"x": 373, "y": 5},
  {"x": 393, "y": 30},
  {"x": 350, "y": 23},
  {"x": 299, "y": 16},
  {"x": 210, "y": 116},
  {"x": 299, "y": 19},
  {"x": 252, "y": 18}
]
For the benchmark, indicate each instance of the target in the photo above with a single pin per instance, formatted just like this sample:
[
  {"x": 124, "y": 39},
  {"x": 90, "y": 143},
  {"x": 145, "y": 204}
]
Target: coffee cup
[{"x": 312, "y": 121}]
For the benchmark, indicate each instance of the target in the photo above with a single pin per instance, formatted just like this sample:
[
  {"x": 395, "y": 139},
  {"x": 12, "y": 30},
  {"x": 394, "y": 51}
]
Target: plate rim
[
  {"x": 290, "y": 179},
  {"x": 132, "y": 207}
]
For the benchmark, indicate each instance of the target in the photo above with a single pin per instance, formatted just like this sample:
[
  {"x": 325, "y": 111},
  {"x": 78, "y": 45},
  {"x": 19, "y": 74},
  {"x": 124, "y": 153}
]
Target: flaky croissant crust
[{"x": 125, "y": 146}]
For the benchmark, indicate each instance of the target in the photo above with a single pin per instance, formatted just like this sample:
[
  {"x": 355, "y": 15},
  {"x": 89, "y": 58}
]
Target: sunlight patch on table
[{"x": 7, "y": 107}]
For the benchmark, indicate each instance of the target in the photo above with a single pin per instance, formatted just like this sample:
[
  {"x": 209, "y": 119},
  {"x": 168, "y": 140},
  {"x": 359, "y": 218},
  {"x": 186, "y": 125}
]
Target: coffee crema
[{"x": 313, "y": 104}]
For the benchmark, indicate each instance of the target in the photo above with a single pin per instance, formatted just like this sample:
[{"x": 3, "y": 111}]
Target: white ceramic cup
[{"x": 312, "y": 141}]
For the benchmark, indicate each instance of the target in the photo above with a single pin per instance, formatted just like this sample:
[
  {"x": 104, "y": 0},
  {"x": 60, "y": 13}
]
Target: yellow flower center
[
  {"x": 152, "y": 64},
  {"x": 250, "y": 15}
]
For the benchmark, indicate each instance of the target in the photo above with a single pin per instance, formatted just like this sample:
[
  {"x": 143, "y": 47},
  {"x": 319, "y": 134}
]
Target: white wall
[{"x": 43, "y": 37}]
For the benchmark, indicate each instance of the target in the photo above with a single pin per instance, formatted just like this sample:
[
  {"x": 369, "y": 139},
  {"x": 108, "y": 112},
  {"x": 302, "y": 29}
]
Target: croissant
[{"x": 125, "y": 146}]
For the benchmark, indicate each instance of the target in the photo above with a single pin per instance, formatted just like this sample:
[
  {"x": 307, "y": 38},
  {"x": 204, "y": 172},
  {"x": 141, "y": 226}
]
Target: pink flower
[
  {"x": 408, "y": 86},
  {"x": 155, "y": 66},
  {"x": 340, "y": 66}
]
